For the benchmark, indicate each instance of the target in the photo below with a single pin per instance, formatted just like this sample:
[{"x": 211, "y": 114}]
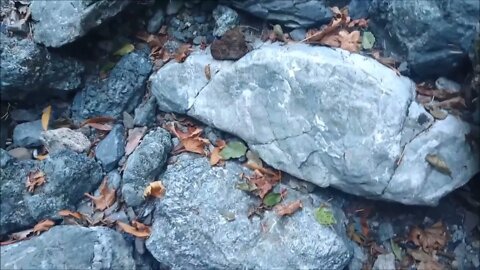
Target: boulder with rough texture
[
  {"x": 112, "y": 148},
  {"x": 68, "y": 175},
  {"x": 121, "y": 91},
  {"x": 434, "y": 37},
  {"x": 202, "y": 223},
  {"x": 70, "y": 247},
  {"x": 56, "y": 140},
  {"x": 28, "y": 134},
  {"x": 27, "y": 68},
  {"x": 144, "y": 165},
  {"x": 326, "y": 116},
  {"x": 57, "y": 23},
  {"x": 225, "y": 19}
]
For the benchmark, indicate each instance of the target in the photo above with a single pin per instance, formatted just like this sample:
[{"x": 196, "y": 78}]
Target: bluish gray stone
[
  {"x": 56, "y": 140},
  {"x": 174, "y": 6},
  {"x": 122, "y": 90},
  {"x": 112, "y": 148},
  {"x": 5, "y": 158},
  {"x": 193, "y": 229},
  {"x": 298, "y": 34},
  {"x": 225, "y": 19},
  {"x": 28, "y": 134},
  {"x": 68, "y": 176},
  {"x": 70, "y": 247},
  {"x": 57, "y": 23},
  {"x": 156, "y": 21},
  {"x": 145, "y": 164},
  {"x": 145, "y": 113},
  {"x": 326, "y": 116}
]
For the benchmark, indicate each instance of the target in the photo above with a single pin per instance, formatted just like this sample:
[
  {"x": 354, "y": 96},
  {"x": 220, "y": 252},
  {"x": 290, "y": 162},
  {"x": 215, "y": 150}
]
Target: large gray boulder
[
  {"x": 68, "y": 175},
  {"x": 57, "y": 23},
  {"x": 193, "y": 226},
  {"x": 434, "y": 37},
  {"x": 326, "y": 116},
  {"x": 27, "y": 68},
  {"x": 70, "y": 247}
]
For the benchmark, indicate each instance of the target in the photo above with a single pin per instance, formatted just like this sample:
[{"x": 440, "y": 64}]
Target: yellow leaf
[
  {"x": 46, "y": 117},
  {"x": 41, "y": 157},
  {"x": 155, "y": 189},
  {"x": 140, "y": 231},
  {"x": 127, "y": 48}
]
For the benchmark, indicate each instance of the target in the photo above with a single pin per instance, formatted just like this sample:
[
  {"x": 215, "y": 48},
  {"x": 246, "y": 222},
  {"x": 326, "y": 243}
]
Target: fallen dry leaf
[
  {"x": 356, "y": 237},
  {"x": 154, "y": 189},
  {"x": 438, "y": 163},
  {"x": 106, "y": 198},
  {"x": 350, "y": 41},
  {"x": 134, "y": 137},
  {"x": 427, "y": 262},
  {"x": 35, "y": 179},
  {"x": 208, "y": 73},
  {"x": 288, "y": 209},
  {"x": 264, "y": 180},
  {"x": 215, "y": 155},
  {"x": 17, "y": 236},
  {"x": 47, "y": 112},
  {"x": 190, "y": 141},
  {"x": 43, "y": 226},
  {"x": 423, "y": 89},
  {"x": 98, "y": 120},
  {"x": 68, "y": 213},
  {"x": 99, "y": 126},
  {"x": 452, "y": 103},
  {"x": 182, "y": 52},
  {"x": 139, "y": 230},
  {"x": 433, "y": 238}
]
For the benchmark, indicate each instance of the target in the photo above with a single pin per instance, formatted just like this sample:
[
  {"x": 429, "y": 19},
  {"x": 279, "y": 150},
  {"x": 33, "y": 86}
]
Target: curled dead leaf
[
  {"x": 106, "y": 198},
  {"x": 190, "y": 141},
  {"x": 47, "y": 112},
  {"x": 35, "y": 179},
  {"x": 43, "y": 226},
  {"x": 432, "y": 238},
  {"x": 155, "y": 189},
  {"x": 208, "y": 73},
  {"x": 68, "y": 213},
  {"x": 438, "y": 163},
  {"x": 138, "y": 229},
  {"x": 289, "y": 208}
]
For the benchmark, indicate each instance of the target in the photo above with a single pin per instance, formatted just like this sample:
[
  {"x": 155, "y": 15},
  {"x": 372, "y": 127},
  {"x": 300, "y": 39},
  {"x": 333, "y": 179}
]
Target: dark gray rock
[
  {"x": 191, "y": 228},
  {"x": 174, "y": 6},
  {"x": 434, "y": 37},
  {"x": 56, "y": 140},
  {"x": 28, "y": 134},
  {"x": 25, "y": 115},
  {"x": 70, "y": 247},
  {"x": 21, "y": 153},
  {"x": 145, "y": 164},
  {"x": 112, "y": 148},
  {"x": 27, "y": 68},
  {"x": 156, "y": 21},
  {"x": 5, "y": 158},
  {"x": 121, "y": 91},
  {"x": 68, "y": 176},
  {"x": 185, "y": 27},
  {"x": 59, "y": 23},
  {"x": 225, "y": 19},
  {"x": 145, "y": 113}
]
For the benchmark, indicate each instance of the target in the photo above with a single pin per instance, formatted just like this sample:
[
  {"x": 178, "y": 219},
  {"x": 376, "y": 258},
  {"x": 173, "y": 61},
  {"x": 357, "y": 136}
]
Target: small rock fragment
[
  {"x": 59, "y": 139},
  {"x": 225, "y": 19},
  {"x": 232, "y": 46},
  {"x": 20, "y": 153},
  {"x": 111, "y": 149},
  {"x": 28, "y": 134}
]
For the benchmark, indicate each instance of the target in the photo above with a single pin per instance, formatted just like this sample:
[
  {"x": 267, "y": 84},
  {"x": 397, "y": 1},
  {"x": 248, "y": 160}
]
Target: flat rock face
[
  {"x": 326, "y": 116},
  {"x": 70, "y": 247},
  {"x": 191, "y": 230},
  {"x": 60, "y": 22}
]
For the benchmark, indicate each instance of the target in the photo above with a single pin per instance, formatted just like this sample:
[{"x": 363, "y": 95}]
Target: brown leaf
[
  {"x": 215, "y": 155},
  {"x": 183, "y": 52},
  {"x": 155, "y": 189},
  {"x": 43, "y": 226},
  {"x": 35, "y": 179},
  {"x": 98, "y": 120},
  {"x": 208, "y": 73},
  {"x": 103, "y": 127},
  {"x": 47, "y": 112},
  {"x": 18, "y": 236},
  {"x": 264, "y": 180},
  {"x": 352, "y": 234},
  {"x": 134, "y": 137},
  {"x": 190, "y": 141},
  {"x": 288, "y": 209},
  {"x": 350, "y": 41},
  {"x": 68, "y": 213},
  {"x": 452, "y": 103},
  {"x": 139, "y": 230},
  {"x": 438, "y": 163},
  {"x": 106, "y": 198},
  {"x": 437, "y": 94},
  {"x": 433, "y": 238}
]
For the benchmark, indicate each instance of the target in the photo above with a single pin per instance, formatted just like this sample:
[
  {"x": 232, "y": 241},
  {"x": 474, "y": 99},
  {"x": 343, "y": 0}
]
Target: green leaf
[
  {"x": 368, "y": 40},
  {"x": 325, "y": 216},
  {"x": 272, "y": 198},
  {"x": 107, "y": 67},
  {"x": 245, "y": 186},
  {"x": 397, "y": 250},
  {"x": 127, "y": 48},
  {"x": 233, "y": 149}
]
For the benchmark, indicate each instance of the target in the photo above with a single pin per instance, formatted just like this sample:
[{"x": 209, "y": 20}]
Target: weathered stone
[
  {"x": 57, "y": 23},
  {"x": 27, "y": 68},
  {"x": 122, "y": 90},
  {"x": 145, "y": 164},
  {"x": 326, "y": 116},
  {"x": 28, "y": 134},
  {"x": 20, "y": 153},
  {"x": 384, "y": 261},
  {"x": 112, "y": 148},
  {"x": 145, "y": 113},
  {"x": 68, "y": 176},
  {"x": 174, "y": 6},
  {"x": 225, "y": 19},
  {"x": 156, "y": 21},
  {"x": 5, "y": 158},
  {"x": 298, "y": 34},
  {"x": 193, "y": 226},
  {"x": 70, "y": 247},
  {"x": 232, "y": 46},
  {"x": 56, "y": 140}
]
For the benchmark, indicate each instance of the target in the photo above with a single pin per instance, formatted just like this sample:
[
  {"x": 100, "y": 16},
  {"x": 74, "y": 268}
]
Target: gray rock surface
[
  {"x": 56, "y": 140},
  {"x": 145, "y": 164},
  {"x": 433, "y": 36},
  {"x": 156, "y": 21},
  {"x": 326, "y": 116},
  {"x": 5, "y": 158},
  {"x": 174, "y": 6},
  {"x": 57, "y": 23},
  {"x": 27, "y": 68},
  {"x": 145, "y": 113},
  {"x": 68, "y": 176},
  {"x": 112, "y": 148},
  {"x": 191, "y": 231},
  {"x": 225, "y": 19},
  {"x": 70, "y": 247},
  {"x": 122, "y": 90},
  {"x": 21, "y": 153},
  {"x": 28, "y": 134},
  {"x": 384, "y": 261}
]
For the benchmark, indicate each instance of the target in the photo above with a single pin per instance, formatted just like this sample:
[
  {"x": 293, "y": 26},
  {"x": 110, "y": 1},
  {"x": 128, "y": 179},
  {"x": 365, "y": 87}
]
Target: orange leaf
[
  {"x": 98, "y": 120},
  {"x": 190, "y": 140},
  {"x": 135, "y": 231},
  {"x": 350, "y": 41},
  {"x": 34, "y": 180},
  {"x": 106, "y": 198},
  {"x": 43, "y": 226},
  {"x": 155, "y": 189},
  {"x": 103, "y": 127},
  {"x": 183, "y": 52},
  {"x": 134, "y": 137},
  {"x": 68, "y": 213},
  {"x": 215, "y": 155},
  {"x": 288, "y": 209},
  {"x": 47, "y": 112}
]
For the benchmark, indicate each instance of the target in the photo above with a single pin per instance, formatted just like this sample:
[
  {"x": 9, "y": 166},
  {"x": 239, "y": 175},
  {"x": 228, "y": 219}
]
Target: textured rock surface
[
  {"x": 56, "y": 140},
  {"x": 28, "y": 134},
  {"x": 145, "y": 113},
  {"x": 144, "y": 165},
  {"x": 232, "y": 46},
  {"x": 323, "y": 115},
  {"x": 26, "y": 68},
  {"x": 225, "y": 19},
  {"x": 122, "y": 90},
  {"x": 68, "y": 176},
  {"x": 60, "y": 22},
  {"x": 433, "y": 36},
  {"x": 190, "y": 229},
  {"x": 70, "y": 247},
  {"x": 112, "y": 148}
]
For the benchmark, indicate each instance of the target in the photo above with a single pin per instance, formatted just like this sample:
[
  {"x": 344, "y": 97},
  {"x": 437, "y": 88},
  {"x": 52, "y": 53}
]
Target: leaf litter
[
  {"x": 105, "y": 199},
  {"x": 34, "y": 180}
]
